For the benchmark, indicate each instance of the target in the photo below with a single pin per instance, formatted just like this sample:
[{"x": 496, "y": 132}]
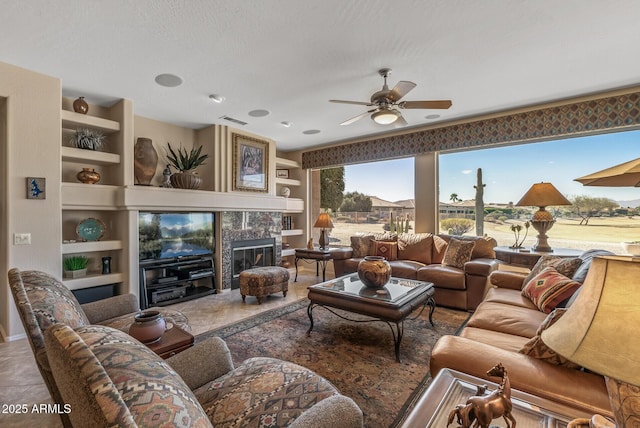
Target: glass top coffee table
[{"x": 392, "y": 304}]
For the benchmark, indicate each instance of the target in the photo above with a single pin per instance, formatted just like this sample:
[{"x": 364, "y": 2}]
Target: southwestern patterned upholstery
[
  {"x": 42, "y": 301},
  {"x": 111, "y": 379},
  {"x": 263, "y": 281}
]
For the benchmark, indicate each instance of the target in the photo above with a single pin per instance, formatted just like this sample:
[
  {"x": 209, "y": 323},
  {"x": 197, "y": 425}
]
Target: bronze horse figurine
[{"x": 481, "y": 409}]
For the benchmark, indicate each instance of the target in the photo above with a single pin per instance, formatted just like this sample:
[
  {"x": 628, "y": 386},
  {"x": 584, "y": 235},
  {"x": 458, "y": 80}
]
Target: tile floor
[{"x": 21, "y": 383}]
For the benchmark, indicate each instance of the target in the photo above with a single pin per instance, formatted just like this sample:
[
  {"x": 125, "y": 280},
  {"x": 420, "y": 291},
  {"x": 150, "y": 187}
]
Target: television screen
[{"x": 171, "y": 235}]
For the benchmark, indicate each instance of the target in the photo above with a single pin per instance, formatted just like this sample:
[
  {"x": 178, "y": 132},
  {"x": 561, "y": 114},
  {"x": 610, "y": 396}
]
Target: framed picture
[
  {"x": 250, "y": 164},
  {"x": 282, "y": 173},
  {"x": 36, "y": 188}
]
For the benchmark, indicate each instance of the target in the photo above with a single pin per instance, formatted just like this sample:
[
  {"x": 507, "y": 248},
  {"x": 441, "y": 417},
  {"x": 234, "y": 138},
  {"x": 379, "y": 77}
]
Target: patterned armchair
[
  {"x": 110, "y": 379},
  {"x": 42, "y": 301}
]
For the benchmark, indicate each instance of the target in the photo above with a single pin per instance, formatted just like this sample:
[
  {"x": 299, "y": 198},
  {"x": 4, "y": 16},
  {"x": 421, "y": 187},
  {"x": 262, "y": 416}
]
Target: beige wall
[{"x": 32, "y": 150}]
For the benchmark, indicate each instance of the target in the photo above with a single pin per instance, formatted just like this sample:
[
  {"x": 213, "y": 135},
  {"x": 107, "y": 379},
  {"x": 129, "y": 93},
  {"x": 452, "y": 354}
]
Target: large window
[{"x": 508, "y": 172}]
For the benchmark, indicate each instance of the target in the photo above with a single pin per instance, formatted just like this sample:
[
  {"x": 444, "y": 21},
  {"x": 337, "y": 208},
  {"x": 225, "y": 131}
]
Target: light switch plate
[{"x": 21, "y": 239}]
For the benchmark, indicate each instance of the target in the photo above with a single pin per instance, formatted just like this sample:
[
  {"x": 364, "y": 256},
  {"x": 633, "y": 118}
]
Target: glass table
[{"x": 392, "y": 304}]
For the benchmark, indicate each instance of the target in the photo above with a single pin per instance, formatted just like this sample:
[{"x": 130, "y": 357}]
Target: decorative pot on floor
[
  {"x": 148, "y": 327},
  {"x": 186, "y": 180},
  {"x": 374, "y": 271},
  {"x": 145, "y": 161}
]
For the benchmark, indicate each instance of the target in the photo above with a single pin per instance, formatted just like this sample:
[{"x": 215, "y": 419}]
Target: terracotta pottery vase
[
  {"x": 374, "y": 271},
  {"x": 80, "y": 106},
  {"x": 186, "y": 180},
  {"x": 145, "y": 161},
  {"x": 148, "y": 327},
  {"x": 88, "y": 176}
]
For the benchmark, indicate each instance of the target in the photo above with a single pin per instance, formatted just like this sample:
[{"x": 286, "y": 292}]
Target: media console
[{"x": 168, "y": 281}]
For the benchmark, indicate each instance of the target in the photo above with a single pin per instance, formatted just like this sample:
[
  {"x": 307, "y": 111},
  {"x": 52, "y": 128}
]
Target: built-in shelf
[
  {"x": 95, "y": 280},
  {"x": 288, "y": 181},
  {"x": 73, "y": 120},
  {"x": 91, "y": 196},
  {"x": 294, "y": 205},
  {"x": 72, "y": 154},
  {"x": 286, "y": 163},
  {"x": 87, "y": 247},
  {"x": 288, "y": 252},
  {"x": 292, "y": 232}
]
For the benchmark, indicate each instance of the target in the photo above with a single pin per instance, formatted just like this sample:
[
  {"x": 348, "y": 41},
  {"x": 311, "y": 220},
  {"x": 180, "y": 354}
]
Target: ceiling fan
[{"x": 387, "y": 102}]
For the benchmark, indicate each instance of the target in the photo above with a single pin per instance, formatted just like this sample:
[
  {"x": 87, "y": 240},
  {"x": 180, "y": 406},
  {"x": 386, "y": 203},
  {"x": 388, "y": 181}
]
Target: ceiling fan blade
[
  {"x": 358, "y": 117},
  {"x": 359, "y": 103},
  {"x": 401, "y": 89},
  {"x": 435, "y": 104},
  {"x": 400, "y": 122}
]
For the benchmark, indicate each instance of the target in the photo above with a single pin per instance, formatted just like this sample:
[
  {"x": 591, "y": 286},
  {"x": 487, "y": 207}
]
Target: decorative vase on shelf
[
  {"x": 285, "y": 191},
  {"x": 88, "y": 176},
  {"x": 80, "y": 105},
  {"x": 148, "y": 327},
  {"x": 73, "y": 274},
  {"x": 374, "y": 271},
  {"x": 145, "y": 161},
  {"x": 186, "y": 180}
]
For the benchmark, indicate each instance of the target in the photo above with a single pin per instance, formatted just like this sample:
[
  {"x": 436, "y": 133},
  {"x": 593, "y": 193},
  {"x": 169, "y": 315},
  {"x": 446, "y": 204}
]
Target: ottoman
[{"x": 262, "y": 281}]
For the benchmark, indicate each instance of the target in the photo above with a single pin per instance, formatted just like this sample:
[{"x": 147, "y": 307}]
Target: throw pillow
[
  {"x": 538, "y": 349},
  {"x": 458, "y": 253},
  {"x": 416, "y": 247},
  {"x": 549, "y": 288},
  {"x": 360, "y": 245},
  {"x": 566, "y": 266},
  {"x": 386, "y": 249}
]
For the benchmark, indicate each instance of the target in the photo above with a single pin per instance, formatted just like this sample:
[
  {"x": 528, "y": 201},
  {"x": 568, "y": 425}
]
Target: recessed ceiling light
[
  {"x": 169, "y": 80},
  {"x": 286, "y": 124},
  {"x": 432, "y": 116},
  {"x": 259, "y": 113},
  {"x": 311, "y": 131},
  {"x": 217, "y": 98}
]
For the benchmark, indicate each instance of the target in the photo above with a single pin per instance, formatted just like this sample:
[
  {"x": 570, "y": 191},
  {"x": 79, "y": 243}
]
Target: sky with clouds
[{"x": 508, "y": 172}]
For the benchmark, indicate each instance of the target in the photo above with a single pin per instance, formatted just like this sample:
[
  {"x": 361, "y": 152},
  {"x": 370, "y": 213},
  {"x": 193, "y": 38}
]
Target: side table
[
  {"x": 320, "y": 256},
  {"x": 173, "y": 341},
  {"x": 450, "y": 388},
  {"x": 527, "y": 258}
]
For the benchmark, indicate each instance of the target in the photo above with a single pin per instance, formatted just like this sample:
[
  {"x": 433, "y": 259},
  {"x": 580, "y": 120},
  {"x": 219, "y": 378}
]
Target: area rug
[{"x": 358, "y": 358}]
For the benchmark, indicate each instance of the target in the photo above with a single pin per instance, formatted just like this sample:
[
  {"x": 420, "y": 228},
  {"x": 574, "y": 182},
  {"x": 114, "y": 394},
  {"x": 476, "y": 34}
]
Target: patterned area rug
[{"x": 358, "y": 358}]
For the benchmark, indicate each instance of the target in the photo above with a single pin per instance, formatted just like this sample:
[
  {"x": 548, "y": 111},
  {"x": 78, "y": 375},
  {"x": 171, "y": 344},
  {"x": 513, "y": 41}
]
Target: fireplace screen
[{"x": 250, "y": 254}]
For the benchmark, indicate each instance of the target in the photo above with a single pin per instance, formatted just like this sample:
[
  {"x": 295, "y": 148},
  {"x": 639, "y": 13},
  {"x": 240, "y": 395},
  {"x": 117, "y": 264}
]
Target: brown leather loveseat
[
  {"x": 503, "y": 329},
  {"x": 421, "y": 256}
]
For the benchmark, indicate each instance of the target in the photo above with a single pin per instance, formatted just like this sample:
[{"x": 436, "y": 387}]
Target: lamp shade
[
  {"x": 543, "y": 195},
  {"x": 324, "y": 221},
  {"x": 599, "y": 330}
]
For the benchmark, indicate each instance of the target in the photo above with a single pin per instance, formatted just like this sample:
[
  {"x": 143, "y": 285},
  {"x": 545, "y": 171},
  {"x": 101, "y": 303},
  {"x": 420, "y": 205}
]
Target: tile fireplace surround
[{"x": 247, "y": 225}]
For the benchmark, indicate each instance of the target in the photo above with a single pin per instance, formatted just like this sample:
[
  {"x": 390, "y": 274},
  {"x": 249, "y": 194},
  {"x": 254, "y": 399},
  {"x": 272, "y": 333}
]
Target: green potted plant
[
  {"x": 186, "y": 162},
  {"x": 75, "y": 266}
]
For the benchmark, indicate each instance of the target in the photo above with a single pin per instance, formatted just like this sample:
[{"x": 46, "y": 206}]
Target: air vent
[{"x": 231, "y": 119}]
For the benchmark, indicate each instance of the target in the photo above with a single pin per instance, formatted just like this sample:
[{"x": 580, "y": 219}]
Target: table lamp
[
  {"x": 542, "y": 195},
  {"x": 324, "y": 222},
  {"x": 599, "y": 332}
]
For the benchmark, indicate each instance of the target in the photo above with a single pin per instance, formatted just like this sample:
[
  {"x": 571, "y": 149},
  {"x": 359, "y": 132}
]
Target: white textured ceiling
[{"x": 291, "y": 56}]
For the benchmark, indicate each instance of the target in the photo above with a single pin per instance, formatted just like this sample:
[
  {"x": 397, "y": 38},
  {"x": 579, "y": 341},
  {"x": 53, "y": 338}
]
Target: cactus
[{"x": 479, "y": 204}]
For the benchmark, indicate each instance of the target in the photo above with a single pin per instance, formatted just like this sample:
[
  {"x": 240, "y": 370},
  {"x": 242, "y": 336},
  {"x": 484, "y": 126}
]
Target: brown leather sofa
[
  {"x": 499, "y": 328},
  {"x": 420, "y": 257}
]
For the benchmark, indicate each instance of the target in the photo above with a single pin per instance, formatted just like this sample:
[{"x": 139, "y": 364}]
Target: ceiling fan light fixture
[{"x": 385, "y": 117}]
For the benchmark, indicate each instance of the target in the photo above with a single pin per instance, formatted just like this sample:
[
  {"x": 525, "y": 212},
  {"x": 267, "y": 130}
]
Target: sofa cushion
[
  {"x": 415, "y": 246},
  {"x": 538, "y": 349},
  {"x": 111, "y": 379},
  {"x": 442, "y": 276},
  {"x": 509, "y": 342},
  {"x": 439, "y": 248},
  {"x": 507, "y": 319},
  {"x": 263, "y": 392},
  {"x": 549, "y": 288},
  {"x": 509, "y": 297},
  {"x": 458, "y": 253},
  {"x": 386, "y": 249},
  {"x": 565, "y": 265},
  {"x": 405, "y": 268}
]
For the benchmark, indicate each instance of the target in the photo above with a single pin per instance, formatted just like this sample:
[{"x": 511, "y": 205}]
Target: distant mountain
[{"x": 634, "y": 203}]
